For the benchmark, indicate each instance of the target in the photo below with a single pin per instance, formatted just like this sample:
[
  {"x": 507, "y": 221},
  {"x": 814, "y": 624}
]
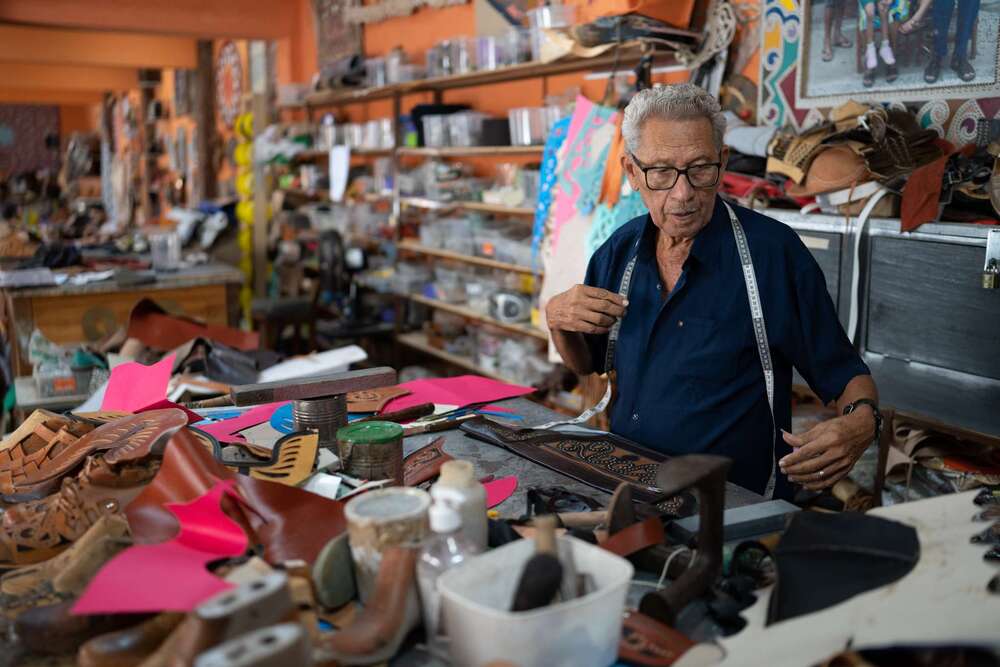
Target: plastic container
[
  {"x": 446, "y": 549},
  {"x": 463, "y": 55},
  {"x": 490, "y": 53},
  {"x": 165, "y": 247},
  {"x": 528, "y": 125},
  {"x": 457, "y": 487},
  {"x": 386, "y": 137},
  {"x": 354, "y": 135},
  {"x": 583, "y": 632},
  {"x": 465, "y": 128},
  {"x": 547, "y": 18},
  {"x": 375, "y": 72},
  {"x": 435, "y": 131}
]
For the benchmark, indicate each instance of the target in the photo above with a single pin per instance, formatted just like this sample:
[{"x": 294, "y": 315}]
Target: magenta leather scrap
[
  {"x": 133, "y": 386},
  {"x": 461, "y": 391},
  {"x": 227, "y": 430},
  {"x": 499, "y": 490},
  {"x": 171, "y": 575}
]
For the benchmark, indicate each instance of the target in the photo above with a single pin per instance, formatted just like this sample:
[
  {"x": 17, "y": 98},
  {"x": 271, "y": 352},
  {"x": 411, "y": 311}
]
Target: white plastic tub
[{"x": 583, "y": 632}]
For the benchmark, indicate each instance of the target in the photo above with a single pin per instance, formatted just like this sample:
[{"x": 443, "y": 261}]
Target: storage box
[{"x": 583, "y": 632}]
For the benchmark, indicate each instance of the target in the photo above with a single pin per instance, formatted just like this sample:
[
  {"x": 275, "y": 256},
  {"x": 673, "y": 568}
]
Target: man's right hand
[{"x": 584, "y": 309}]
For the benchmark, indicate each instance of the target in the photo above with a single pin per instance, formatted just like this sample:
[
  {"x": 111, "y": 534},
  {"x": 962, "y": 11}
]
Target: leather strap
[
  {"x": 373, "y": 400},
  {"x": 636, "y": 537}
]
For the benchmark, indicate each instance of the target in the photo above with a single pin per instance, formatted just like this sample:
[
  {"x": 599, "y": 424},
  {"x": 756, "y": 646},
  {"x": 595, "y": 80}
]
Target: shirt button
[
  {"x": 635, "y": 416},
  {"x": 680, "y": 323},
  {"x": 658, "y": 287}
]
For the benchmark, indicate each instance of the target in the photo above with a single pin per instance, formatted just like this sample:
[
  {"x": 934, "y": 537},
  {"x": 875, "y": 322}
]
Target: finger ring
[{"x": 820, "y": 473}]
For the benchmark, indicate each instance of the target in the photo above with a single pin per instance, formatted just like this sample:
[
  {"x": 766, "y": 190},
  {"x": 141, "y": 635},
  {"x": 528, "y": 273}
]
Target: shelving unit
[
  {"x": 623, "y": 58},
  {"x": 434, "y": 205},
  {"x": 412, "y": 246},
  {"x": 468, "y": 313},
  {"x": 418, "y": 341}
]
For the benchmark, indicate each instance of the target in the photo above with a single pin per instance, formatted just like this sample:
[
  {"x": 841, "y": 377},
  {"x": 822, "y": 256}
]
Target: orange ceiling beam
[
  {"x": 68, "y": 77},
  {"x": 251, "y": 19},
  {"x": 29, "y": 44},
  {"x": 39, "y": 96}
]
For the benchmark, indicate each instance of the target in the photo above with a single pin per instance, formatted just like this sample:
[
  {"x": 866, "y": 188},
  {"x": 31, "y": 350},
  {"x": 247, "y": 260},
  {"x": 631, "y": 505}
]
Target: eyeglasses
[{"x": 664, "y": 178}]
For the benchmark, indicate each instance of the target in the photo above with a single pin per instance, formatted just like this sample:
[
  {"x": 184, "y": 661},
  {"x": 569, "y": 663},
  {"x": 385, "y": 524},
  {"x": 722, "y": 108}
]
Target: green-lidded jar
[{"x": 372, "y": 450}]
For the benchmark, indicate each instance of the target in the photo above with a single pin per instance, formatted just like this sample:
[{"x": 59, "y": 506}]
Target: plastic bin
[
  {"x": 580, "y": 633},
  {"x": 435, "y": 131}
]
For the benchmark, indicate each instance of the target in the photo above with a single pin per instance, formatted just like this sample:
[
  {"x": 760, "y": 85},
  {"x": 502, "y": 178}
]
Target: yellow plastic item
[
  {"x": 244, "y": 183},
  {"x": 244, "y": 126},
  {"x": 243, "y": 154}
]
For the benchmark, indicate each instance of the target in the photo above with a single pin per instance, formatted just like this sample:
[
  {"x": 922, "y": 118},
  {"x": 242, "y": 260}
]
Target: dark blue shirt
[{"x": 689, "y": 377}]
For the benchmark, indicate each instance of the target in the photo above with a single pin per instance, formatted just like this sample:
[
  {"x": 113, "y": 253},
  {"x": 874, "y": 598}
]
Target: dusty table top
[{"x": 213, "y": 273}]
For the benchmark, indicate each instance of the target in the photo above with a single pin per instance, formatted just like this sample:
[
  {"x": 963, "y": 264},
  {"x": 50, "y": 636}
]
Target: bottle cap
[
  {"x": 456, "y": 473},
  {"x": 444, "y": 518}
]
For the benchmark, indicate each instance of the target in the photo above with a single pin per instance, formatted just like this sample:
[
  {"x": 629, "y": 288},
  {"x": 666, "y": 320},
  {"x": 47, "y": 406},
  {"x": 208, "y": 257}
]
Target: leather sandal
[
  {"x": 130, "y": 439},
  {"x": 379, "y": 630},
  {"x": 290, "y": 462},
  {"x": 36, "y": 531},
  {"x": 65, "y": 576}
]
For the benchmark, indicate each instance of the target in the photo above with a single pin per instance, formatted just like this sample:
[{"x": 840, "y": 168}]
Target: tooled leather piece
[
  {"x": 129, "y": 439},
  {"x": 425, "y": 463},
  {"x": 648, "y": 642},
  {"x": 373, "y": 400},
  {"x": 602, "y": 461},
  {"x": 156, "y": 329},
  {"x": 290, "y": 462},
  {"x": 288, "y": 522}
]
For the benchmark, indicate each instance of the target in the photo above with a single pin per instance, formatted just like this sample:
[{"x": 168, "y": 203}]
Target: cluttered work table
[
  {"x": 87, "y": 310},
  {"x": 489, "y": 459}
]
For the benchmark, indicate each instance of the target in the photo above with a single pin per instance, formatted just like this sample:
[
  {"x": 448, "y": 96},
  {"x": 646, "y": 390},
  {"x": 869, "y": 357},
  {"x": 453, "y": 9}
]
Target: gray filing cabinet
[{"x": 926, "y": 327}]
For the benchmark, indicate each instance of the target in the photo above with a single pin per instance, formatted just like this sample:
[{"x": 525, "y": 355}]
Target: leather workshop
[{"x": 500, "y": 333}]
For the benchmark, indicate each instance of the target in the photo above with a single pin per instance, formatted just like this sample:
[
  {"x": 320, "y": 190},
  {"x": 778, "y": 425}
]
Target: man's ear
[
  {"x": 724, "y": 158},
  {"x": 631, "y": 171}
]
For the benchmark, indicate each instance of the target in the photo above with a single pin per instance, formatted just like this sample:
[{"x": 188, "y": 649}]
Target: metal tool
[
  {"x": 705, "y": 474},
  {"x": 320, "y": 403}
]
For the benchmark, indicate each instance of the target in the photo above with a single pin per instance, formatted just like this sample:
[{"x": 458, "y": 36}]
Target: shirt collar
[{"x": 707, "y": 243}]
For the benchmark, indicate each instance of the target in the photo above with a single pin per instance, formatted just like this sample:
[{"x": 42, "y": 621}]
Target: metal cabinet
[{"x": 926, "y": 327}]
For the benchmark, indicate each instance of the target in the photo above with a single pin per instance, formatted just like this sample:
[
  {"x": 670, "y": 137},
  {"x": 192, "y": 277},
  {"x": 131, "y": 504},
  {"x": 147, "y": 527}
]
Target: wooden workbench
[{"x": 74, "y": 314}]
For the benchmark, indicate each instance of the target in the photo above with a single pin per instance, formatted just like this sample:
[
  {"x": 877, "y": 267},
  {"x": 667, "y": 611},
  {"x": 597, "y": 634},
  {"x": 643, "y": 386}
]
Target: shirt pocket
[{"x": 713, "y": 355}]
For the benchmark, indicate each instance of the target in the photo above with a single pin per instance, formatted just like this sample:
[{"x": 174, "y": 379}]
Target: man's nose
[{"x": 682, "y": 190}]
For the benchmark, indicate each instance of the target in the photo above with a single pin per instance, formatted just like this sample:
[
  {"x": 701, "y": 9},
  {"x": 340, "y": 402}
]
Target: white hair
[{"x": 679, "y": 101}]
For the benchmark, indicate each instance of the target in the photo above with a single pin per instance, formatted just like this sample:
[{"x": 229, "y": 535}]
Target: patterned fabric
[
  {"x": 608, "y": 220},
  {"x": 548, "y": 179}
]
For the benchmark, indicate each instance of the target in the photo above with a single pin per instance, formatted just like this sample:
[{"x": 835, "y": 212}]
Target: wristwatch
[{"x": 851, "y": 407}]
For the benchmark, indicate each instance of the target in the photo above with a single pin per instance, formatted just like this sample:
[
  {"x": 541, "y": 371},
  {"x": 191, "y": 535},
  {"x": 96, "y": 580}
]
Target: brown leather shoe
[
  {"x": 36, "y": 531},
  {"x": 388, "y": 617},
  {"x": 130, "y": 439},
  {"x": 54, "y": 630},
  {"x": 228, "y": 615},
  {"x": 65, "y": 576},
  {"x": 129, "y": 647},
  {"x": 42, "y": 437}
]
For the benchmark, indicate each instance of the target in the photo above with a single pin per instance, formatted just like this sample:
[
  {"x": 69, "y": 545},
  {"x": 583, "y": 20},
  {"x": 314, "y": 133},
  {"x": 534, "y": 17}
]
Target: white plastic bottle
[
  {"x": 443, "y": 550},
  {"x": 458, "y": 486}
]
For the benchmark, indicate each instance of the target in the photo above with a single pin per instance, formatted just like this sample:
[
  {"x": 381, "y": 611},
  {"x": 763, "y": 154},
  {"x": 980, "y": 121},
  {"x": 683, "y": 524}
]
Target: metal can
[{"x": 372, "y": 450}]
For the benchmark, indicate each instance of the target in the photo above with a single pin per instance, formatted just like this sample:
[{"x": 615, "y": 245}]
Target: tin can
[{"x": 372, "y": 450}]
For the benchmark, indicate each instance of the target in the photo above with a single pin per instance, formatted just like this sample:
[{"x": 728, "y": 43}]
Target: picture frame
[{"x": 825, "y": 83}]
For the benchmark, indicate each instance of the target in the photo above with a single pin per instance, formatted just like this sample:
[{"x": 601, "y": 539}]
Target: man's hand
[
  {"x": 583, "y": 309},
  {"x": 826, "y": 453}
]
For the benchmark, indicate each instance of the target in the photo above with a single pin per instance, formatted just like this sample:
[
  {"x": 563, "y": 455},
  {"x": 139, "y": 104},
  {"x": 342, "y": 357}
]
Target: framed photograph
[{"x": 897, "y": 51}]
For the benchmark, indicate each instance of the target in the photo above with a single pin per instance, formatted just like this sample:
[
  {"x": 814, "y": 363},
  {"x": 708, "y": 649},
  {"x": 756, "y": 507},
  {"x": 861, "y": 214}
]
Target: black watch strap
[{"x": 851, "y": 407}]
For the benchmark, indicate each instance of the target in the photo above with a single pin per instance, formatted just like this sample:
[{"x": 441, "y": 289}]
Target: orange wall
[{"x": 75, "y": 118}]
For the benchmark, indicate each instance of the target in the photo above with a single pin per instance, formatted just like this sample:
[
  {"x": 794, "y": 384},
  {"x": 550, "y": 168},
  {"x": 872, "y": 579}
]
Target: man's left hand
[{"x": 826, "y": 453}]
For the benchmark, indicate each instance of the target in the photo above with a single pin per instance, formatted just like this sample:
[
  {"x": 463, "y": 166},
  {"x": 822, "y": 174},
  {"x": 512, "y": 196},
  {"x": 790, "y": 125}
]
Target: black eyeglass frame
[{"x": 680, "y": 172}]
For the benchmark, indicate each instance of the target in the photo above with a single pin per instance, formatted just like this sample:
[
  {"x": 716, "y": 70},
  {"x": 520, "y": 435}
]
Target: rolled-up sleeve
[
  {"x": 597, "y": 276},
  {"x": 821, "y": 350}
]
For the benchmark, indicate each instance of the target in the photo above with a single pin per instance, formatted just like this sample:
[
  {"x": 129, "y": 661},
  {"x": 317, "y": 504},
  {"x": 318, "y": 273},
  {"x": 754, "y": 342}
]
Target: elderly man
[{"x": 711, "y": 307}]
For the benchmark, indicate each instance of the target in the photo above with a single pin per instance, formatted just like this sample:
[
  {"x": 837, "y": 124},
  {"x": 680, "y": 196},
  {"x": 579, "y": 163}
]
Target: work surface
[
  {"x": 193, "y": 276},
  {"x": 492, "y": 460}
]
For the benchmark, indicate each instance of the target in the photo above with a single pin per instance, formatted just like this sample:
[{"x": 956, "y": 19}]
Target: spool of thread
[
  {"x": 381, "y": 519},
  {"x": 323, "y": 415},
  {"x": 372, "y": 450}
]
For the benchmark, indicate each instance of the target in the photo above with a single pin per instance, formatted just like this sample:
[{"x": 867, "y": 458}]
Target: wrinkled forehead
[{"x": 676, "y": 141}]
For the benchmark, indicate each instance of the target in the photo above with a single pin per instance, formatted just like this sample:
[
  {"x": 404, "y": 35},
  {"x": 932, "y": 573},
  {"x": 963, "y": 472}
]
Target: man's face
[{"x": 683, "y": 210}]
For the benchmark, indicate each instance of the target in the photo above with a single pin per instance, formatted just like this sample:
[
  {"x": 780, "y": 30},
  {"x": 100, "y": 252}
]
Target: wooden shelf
[
  {"x": 315, "y": 194},
  {"x": 521, "y": 329},
  {"x": 434, "y": 205},
  {"x": 418, "y": 341},
  {"x": 471, "y": 151},
  {"x": 628, "y": 58},
  {"x": 314, "y": 155},
  {"x": 413, "y": 246}
]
